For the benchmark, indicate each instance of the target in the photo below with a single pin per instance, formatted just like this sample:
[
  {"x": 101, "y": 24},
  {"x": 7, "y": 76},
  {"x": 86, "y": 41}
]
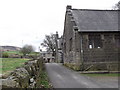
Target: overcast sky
[{"x": 27, "y": 21}]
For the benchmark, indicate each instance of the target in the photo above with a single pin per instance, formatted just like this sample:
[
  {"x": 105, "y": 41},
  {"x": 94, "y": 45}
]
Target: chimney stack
[{"x": 69, "y": 7}]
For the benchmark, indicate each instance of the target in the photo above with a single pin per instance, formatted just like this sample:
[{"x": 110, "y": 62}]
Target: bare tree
[
  {"x": 27, "y": 49},
  {"x": 117, "y": 6},
  {"x": 49, "y": 43}
]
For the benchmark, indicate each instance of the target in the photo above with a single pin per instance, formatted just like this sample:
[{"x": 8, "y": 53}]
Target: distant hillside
[{"x": 9, "y": 48}]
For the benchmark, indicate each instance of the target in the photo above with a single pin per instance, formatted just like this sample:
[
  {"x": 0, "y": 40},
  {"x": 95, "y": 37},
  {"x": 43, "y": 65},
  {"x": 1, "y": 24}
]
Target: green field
[
  {"x": 9, "y": 64},
  {"x": 13, "y": 52},
  {"x": 19, "y": 53}
]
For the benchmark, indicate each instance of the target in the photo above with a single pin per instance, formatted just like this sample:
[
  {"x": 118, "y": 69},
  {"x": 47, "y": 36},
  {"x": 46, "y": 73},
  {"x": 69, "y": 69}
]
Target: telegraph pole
[{"x": 56, "y": 50}]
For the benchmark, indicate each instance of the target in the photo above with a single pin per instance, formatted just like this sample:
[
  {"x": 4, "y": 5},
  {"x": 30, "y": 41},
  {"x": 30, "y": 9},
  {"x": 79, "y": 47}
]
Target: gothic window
[{"x": 95, "y": 41}]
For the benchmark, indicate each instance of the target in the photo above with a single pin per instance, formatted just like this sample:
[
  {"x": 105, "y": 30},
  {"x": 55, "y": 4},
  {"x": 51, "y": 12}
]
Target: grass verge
[
  {"x": 106, "y": 74},
  {"x": 43, "y": 81}
]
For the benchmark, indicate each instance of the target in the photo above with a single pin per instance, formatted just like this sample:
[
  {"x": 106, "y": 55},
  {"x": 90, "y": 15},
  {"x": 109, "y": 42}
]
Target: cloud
[{"x": 21, "y": 21}]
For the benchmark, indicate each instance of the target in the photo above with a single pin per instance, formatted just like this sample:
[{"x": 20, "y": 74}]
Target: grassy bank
[{"x": 9, "y": 64}]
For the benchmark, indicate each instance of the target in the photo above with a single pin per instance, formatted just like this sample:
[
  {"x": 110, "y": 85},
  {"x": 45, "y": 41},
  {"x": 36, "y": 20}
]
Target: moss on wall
[{"x": 72, "y": 66}]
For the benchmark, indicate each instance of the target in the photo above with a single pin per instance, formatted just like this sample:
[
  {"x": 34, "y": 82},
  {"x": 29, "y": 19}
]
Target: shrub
[{"x": 5, "y": 55}]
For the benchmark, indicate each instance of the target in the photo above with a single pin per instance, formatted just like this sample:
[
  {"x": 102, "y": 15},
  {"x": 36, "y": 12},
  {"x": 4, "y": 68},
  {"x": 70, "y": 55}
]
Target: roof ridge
[{"x": 94, "y": 9}]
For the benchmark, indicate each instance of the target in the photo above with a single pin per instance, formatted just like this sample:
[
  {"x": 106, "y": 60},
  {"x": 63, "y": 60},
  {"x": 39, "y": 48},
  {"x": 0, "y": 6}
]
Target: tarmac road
[{"x": 62, "y": 77}]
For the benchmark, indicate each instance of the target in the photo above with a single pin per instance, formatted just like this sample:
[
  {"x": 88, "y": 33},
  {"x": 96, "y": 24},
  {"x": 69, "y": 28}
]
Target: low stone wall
[
  {"x": 101, "y": 66},
  {"x": 73, "y": 66},
  {"x": 24, "y": 77},
  {"x": 94, "y": 66}
]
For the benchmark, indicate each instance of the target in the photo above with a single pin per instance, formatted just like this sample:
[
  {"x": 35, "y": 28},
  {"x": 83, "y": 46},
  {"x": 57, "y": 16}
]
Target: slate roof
[{"x": 96, "y": 20}]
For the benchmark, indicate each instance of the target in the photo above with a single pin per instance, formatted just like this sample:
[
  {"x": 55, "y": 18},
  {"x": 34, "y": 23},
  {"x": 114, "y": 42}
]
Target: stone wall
[
  {"x": 81, "y": 57},
  {"x": 77, "y": 53},
  {"x": 105, "y": 58},
  {"x": 24, "y": 77},
  {"x": 68, "y": 38}
]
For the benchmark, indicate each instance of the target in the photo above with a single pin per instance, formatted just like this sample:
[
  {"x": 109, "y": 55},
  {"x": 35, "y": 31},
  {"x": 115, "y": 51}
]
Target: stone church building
[{"x": 91, "y": 39}]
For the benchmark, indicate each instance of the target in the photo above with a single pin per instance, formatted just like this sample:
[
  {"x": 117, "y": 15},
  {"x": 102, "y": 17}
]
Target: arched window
[{"x": 95, "y": 41}]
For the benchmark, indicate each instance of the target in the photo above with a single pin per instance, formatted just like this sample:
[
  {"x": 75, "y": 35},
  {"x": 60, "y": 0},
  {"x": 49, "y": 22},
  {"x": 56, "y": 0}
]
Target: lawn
[{"x": 9, "y": 64}]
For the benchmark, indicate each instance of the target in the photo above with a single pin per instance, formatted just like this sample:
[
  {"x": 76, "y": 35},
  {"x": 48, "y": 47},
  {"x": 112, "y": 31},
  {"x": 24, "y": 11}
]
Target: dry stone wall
[{"x": 24, "y": 77}]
